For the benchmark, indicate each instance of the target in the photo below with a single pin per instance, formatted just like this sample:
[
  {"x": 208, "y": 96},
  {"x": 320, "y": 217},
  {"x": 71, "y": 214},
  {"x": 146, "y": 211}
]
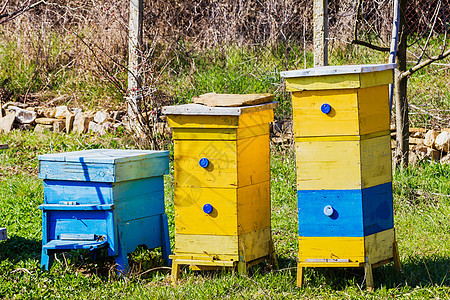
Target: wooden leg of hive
[
  {"x": 369, "y": 277},
  {"x": 165, "y": 240},
  {"x": 242, "y": 268},
  {"x": 397, "y": 263},
  {"x": 273, "y": 256},
  {"x": 300, "y": 275},
  {"x": 175, "y": 272},
  {"x": 47, "y": 259}
]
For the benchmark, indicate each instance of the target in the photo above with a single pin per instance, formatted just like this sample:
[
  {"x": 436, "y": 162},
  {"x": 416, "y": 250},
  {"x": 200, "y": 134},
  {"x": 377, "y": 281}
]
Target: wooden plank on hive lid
[{"x": 213, "y": 99}]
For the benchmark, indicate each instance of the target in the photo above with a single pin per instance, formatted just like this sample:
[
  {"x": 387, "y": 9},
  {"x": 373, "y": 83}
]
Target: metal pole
[
  {"x": 320, "y": 33},
  {"x": 394, "y": 43},
  {"x": 134, "y": 61}
]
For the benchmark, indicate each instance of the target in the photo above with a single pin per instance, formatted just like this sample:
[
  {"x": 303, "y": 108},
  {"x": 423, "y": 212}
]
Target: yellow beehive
[
  {"x": 222, "y": 185},
  {"x": 341, "y": 121}
]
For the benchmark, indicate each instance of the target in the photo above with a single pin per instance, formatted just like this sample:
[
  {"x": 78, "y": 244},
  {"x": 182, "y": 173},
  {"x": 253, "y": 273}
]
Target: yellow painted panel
[
  {"x": 222, "y": 168},
  {"x": 374, "y": 113},
  {"x": 310, "y": 121},
  {"x": 337, "y": 165},
  {"x": 202, "y": 121},
  {"x": 379, "y": 246},
  {"x": 370, "y": 79},
  {"x": 345, "y": 81},
  {"x": 255, "y": 244},
  {"x": 351, "y": 248},
  {"x": 220, "y": 133},
  {"x": 343, "y": 137},
  {"x": 253, "y": 207},
  {"x": 376, "y": 166},
  {"x": 354, "y": 112},
  {"x": 328, "y": 165},
  {"x": 253, "y": 155},
  {"x": 252, "y": 246},
  {"x": 342, "y": 81},
  {"x": 189, "y": 215},
  {"x": 214, "y": 246},
  {"x": 256, "y": 118}
]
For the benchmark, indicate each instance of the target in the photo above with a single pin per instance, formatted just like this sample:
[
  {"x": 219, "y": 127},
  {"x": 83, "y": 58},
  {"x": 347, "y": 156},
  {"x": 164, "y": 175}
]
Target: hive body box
[
  {"x": 344, "y": 177},
  {"x": 110, "y": 199},
  {"x": 222, "y": 185}
]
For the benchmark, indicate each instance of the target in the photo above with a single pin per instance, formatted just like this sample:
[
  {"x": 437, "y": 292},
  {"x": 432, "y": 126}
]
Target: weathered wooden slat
[
  {"x": 230, "y": 100},
  {"x": 221, "y": 134}
]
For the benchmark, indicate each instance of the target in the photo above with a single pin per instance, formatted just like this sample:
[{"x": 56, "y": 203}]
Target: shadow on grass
[
  {"x": 416, "y": 272},
  {"x": 17, "y": 248}
]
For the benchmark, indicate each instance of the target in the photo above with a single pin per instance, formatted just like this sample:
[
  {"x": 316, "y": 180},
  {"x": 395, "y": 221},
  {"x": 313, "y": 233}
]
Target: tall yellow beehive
[
  {"x": 344, "y": 176},
  {"x": 222, "y": 185}
]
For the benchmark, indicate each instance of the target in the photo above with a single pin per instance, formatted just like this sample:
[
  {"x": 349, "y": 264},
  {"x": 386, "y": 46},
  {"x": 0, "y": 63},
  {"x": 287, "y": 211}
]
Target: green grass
[{"x": 422, "y": 221}]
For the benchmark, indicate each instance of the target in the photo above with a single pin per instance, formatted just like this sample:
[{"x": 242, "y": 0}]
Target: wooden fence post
[
  {"x": 320, "y": 33},
  {"x": 134, "y": 62}
]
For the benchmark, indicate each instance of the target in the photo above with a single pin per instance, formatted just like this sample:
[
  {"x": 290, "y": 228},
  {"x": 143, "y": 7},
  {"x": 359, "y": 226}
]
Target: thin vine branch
[{"x": 424, "y": 64}]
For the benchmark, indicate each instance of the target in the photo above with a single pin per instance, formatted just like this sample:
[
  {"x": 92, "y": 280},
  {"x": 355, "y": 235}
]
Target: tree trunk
[{"x": 401, "y": 99}]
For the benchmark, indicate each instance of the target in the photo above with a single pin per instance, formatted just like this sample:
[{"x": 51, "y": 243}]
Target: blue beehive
[{"x": 101, "y": 198}]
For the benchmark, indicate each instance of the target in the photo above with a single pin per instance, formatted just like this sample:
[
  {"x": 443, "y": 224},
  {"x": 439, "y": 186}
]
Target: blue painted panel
[
  {"x": 139, "y": 198},
  {"x": 346, "y": 220},
  {"x": 81, "y": 192},
  {"x": 104, "y": 172},
  {"x": 76, "y": 222},
  {"x": 356, "y": 213},
  {"x": 378, "y": 210},
  {"x": 145, "y": 231}
]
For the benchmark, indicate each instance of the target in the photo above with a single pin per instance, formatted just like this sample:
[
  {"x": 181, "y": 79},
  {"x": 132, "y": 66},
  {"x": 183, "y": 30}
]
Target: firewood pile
[{"x": 426, "y": 144}]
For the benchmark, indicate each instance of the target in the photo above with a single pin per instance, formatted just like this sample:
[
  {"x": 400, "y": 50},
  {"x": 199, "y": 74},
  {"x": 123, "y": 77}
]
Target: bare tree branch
[
  {"x": 3, "y": 8},
  {"x": 19, "y": 11},
  {"x": 425, "y": 63},
  {"x": 371, "y": 46}
]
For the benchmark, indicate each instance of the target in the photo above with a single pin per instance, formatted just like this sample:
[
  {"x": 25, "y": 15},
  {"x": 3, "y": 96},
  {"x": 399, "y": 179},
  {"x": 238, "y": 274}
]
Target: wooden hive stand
[
  {"x": 341, "y": 121},
  {"x": 222, "y": 183}
]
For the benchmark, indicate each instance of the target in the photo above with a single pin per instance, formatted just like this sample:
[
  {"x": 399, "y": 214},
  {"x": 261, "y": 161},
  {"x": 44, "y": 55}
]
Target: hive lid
[
  {"x": 199, "y": 109},
  {"x": 109, "y": 156},
  {"x": 231, "y": 100},
  {"x": 337, "y": 70}
]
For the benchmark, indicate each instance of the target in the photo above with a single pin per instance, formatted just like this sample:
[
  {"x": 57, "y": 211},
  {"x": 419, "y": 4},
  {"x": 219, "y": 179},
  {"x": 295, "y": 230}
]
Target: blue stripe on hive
[{"x": 356, "y": 213}]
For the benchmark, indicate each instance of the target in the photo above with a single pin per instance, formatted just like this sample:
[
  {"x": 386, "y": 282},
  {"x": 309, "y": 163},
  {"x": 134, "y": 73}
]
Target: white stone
[
  {"x": 23, "y": 116},
  {"x": 445, "y": 160},
  {"x": 6, "y": 123},
  {"x": 430, "y": 137},
  {"x": 81, "y": 123},
  {"x": 59, "y": 126},
  {"x": 69, "y": 123},
  {"x": 97, "y": 128},
  {"x": 43, "y": 127},
  {"x": 100, "y": 117},
  {"x": 443, "y": 141},
  {"x": 62, "y": 112}
]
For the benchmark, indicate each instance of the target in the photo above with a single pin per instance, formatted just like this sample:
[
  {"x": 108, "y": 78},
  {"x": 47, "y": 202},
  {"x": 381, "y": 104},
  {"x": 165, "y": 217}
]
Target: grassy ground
[{"x": 422, "y": 220}]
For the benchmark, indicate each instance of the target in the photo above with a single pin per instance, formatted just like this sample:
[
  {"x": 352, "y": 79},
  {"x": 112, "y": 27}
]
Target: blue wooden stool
[{"x": 111, "y": 199}]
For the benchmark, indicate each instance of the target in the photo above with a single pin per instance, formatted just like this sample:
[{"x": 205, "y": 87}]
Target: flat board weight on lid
[{"x": 230, "y": 100}]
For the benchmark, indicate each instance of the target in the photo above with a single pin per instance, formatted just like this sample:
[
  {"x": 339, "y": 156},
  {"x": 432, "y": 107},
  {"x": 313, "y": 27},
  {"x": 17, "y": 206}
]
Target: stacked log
[{"x": 425, "y": 144}]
